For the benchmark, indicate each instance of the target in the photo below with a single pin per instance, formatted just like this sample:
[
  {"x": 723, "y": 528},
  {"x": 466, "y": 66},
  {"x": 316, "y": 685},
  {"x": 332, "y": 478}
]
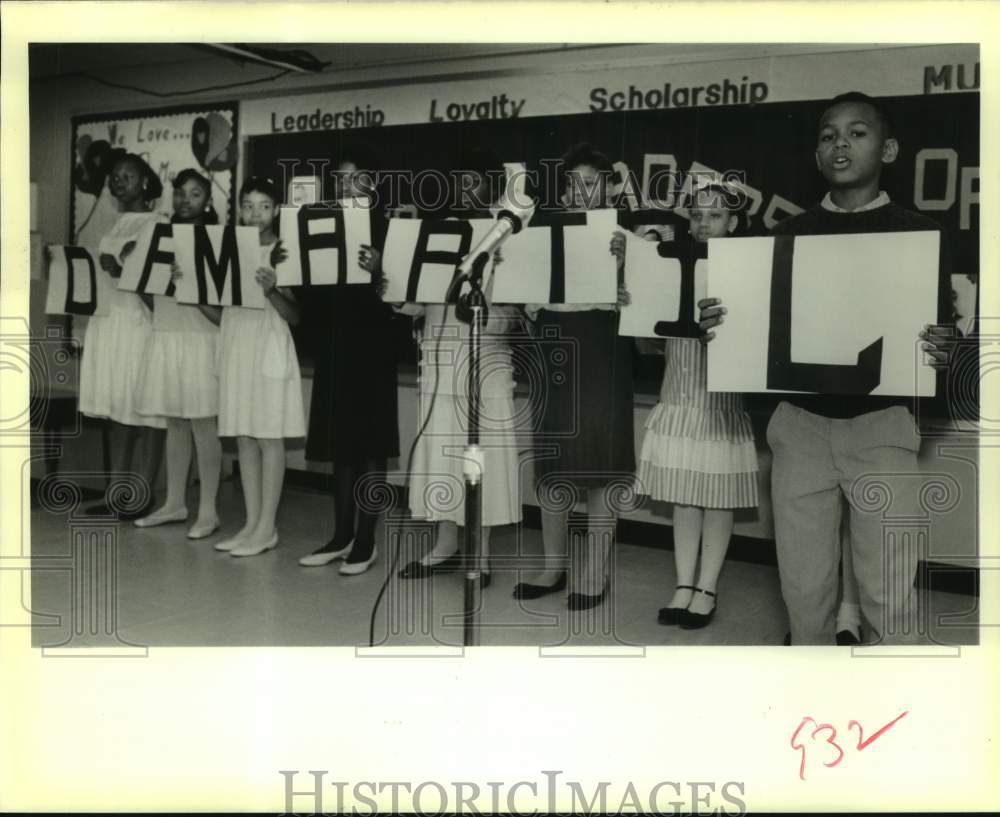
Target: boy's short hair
[
  {"x": 583, "y": 154},
  {"x": 881, "y": 113},
  {"x": 360, "y": 154},
  {"x": 485, "y": 164}
]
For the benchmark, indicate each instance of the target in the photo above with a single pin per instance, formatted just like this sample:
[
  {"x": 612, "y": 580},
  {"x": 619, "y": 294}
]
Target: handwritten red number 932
[{"x": 829, "y": 733}]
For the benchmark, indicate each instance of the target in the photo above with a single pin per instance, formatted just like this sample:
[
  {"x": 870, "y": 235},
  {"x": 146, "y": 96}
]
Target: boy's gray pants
[{"x": 872, "y": 461}]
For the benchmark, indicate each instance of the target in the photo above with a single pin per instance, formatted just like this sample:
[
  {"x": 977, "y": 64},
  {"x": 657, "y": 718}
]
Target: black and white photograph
[
  {"x": 412, "y": 347},
  {"x": 333, "y": 422}
]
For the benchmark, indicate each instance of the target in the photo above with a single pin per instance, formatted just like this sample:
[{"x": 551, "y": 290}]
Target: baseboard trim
[{"x": 931, "y": 574}]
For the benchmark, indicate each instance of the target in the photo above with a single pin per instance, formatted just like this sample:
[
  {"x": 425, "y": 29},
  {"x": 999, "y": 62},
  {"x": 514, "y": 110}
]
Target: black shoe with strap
[
  {"x": 584, "y": 601},
  {"x": 418, "y": 570},
  {"x": 674, "y": 615},
  {"x": 695, "y": 621},
  {"x": 527, "y": 590}
]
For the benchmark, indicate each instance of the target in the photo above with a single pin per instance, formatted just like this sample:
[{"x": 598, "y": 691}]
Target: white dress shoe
[
  {"x": 324, "y": 557},
  {"x": 228, "y": 544},
  {"x": 201, "y": 531},
  {"x": 254, "y": 548},
  {"x": 354, "y": 568},
  {"x": 157, "y": 518}
]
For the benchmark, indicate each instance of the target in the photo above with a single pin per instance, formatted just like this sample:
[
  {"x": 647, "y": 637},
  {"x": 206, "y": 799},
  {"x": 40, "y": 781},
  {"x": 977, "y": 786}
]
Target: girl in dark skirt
[
  {"x": 353, "y": 420},
  {"x": 585, "y": 439}
]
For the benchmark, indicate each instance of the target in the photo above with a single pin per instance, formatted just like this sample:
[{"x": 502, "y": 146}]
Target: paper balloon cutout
[
  {"x": 213, "y": 142},
  {"x": 91, "y": 171}
]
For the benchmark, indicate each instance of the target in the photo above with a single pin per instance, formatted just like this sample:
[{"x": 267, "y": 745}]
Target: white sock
[{"x": 849, "y": 618}]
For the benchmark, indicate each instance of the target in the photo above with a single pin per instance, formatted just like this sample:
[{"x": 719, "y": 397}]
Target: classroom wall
[{"x": 54, "y": 101}]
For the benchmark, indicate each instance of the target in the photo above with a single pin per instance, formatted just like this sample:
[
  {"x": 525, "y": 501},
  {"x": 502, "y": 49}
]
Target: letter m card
[{"x": 218, "y": 265}]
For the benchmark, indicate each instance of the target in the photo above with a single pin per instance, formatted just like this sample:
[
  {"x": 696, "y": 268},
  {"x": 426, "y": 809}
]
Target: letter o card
[
  {"x": 824, "y": 314},
  {"x": 77, "y": 284}
]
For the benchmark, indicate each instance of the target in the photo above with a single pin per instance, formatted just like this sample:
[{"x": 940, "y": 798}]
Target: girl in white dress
[
  {"x": 437, "y": 480},
  {"x": 179, "y": 380},
  {"x": 260, "y": 391},
  {"x": 114, "y": 345}
]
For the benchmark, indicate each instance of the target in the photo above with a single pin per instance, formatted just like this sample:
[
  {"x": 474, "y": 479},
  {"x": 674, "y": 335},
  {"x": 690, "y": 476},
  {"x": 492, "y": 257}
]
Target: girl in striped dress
[{"x": 698, "y": 451}]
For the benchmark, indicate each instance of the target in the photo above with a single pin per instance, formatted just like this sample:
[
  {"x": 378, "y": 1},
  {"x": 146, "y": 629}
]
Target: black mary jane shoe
[
  {"x": 695, "y": 621},
  {"x": 527, "y": 590},
  {"x": 846, "y": 638},
  {"x": 418, "y": 570},
  {"x": 584, "y": 601},
  {"x": 674, "y": 615}
]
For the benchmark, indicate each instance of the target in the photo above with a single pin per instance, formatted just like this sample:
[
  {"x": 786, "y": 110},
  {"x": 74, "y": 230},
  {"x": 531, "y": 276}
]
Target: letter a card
[{"x": 323, "y": 242}]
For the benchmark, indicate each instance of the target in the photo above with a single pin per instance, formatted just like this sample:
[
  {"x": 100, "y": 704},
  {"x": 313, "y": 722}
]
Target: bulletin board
[{"x": 201, "y": 137}]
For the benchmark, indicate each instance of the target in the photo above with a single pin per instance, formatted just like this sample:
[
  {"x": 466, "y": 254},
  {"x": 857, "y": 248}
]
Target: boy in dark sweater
[{"x": 859, "y": 447}]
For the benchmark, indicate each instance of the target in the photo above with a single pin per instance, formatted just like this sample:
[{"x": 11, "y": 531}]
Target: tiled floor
[{"x": 169, "y": 591}]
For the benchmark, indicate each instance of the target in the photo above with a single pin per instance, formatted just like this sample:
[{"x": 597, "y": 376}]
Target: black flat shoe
[
  {"x": 845, "y": 638},
  {"x": 674, "y": 615},
  {"x": 583, "y": 601},
  {"x": 526, "y": 590},
  {"x": 418, "y": 570},
  {"x": 103, "y": 509},
  {"x": 695, "y": 621}
]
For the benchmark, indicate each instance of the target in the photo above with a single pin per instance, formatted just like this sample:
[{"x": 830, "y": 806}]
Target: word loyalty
[{"x": 498, "y": 107}]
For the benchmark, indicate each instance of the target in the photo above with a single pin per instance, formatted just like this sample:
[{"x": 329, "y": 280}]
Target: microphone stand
[{"x": 472, "y": 308}]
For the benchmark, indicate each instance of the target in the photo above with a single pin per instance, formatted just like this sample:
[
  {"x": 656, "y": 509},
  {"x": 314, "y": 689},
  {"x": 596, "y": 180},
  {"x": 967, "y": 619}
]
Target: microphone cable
[{"x": 413, "y": 446}]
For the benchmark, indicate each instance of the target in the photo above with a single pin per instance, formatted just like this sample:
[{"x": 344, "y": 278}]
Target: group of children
[{"x": 207, "y": 373}]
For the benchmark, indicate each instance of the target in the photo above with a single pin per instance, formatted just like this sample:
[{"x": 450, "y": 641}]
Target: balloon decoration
[
  {"x": 94, "y": 162},
  {"x": 213, "y": 142}
]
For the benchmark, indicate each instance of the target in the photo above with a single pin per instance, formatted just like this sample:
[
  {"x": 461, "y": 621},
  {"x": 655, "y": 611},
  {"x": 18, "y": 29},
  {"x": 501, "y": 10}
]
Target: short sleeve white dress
[
  {"x": 114, "y": 345},
  {"x": 260, "y": 386},
  {"x": 179, "y": 378}
]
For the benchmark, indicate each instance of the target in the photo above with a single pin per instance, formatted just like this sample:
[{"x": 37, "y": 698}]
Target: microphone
[{"x": 510, "y": 220}]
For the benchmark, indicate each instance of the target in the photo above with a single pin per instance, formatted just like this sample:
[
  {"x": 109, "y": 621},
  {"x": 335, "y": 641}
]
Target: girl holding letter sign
[
  {"x": 444, "y": 361},
  {"x": 260, "y": 392},
  {"x": 180, "y": 382},
  {"x": 114, "y": 346},
  {"x": 698, "y": 451},
  {"x": 585, "y": 440},
  {"x": 353, "y": 420}
]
